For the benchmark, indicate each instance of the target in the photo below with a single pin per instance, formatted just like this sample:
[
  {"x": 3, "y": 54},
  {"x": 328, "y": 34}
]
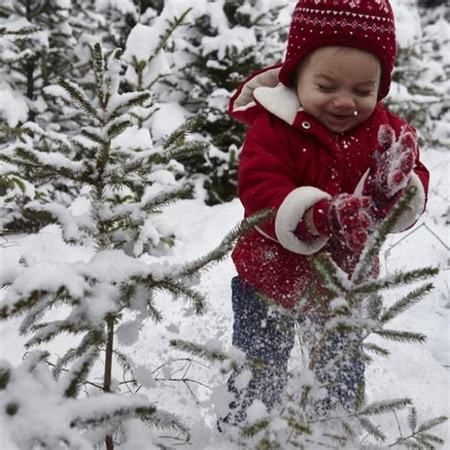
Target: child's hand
[
  {"x": 347, "y": 216},
  {"x": 391, "y": 169}
]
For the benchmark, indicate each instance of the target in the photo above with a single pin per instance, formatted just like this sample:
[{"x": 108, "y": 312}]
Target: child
[{"x": 324, "y": 152}]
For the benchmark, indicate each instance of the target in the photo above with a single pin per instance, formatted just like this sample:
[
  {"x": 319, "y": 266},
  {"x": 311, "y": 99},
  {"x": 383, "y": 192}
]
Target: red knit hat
[{"x": 364, "y": 24}]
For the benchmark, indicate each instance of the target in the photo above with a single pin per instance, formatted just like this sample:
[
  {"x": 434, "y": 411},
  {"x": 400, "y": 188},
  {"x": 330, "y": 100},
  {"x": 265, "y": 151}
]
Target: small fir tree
[
  {"x": 126, "y": 181},
  {"x": 59, "y": 118}
]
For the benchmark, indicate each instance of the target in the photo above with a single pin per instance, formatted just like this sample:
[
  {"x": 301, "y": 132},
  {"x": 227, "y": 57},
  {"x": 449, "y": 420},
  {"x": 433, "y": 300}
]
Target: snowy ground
[{"x": 418, "y": 372}]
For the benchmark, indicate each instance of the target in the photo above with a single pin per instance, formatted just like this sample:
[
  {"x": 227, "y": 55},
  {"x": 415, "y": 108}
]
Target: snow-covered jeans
[{"x": 267, "y": 335}]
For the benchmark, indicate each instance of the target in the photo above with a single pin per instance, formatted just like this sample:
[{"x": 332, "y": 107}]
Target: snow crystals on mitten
[{"x": 394, "y": 160}]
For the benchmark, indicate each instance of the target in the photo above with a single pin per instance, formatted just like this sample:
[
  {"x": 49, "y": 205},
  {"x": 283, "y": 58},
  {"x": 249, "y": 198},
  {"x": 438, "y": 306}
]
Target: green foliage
[
  {"x": 422, "y": 71},
  {"x": 210, "y": 76},
  {"x": 359, "y": 307},
  {"x": 126, "y": 185}
]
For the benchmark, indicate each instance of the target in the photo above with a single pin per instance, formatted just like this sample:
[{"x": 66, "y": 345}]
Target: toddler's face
[{"x": 334, "y": 82}]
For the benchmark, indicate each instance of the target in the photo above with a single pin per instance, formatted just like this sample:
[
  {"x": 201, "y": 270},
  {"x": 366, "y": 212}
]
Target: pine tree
[
  {"x": 62, "y": 420},
  {"x": 421, "y": 75},
  {"x": 57, "y": 116},
  {"x": 126, "y": 181},
  {"x": 45, "y": 55},
  {"x": 358, "y": 305},
  {"x": 227, "y": 42}
]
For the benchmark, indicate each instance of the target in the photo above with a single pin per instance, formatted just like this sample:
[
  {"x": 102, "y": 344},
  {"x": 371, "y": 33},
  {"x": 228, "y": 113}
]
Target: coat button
[{"x": 306, "y": 125}]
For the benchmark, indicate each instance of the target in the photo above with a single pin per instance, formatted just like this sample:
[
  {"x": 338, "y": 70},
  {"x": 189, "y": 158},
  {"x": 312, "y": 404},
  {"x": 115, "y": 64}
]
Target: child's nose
[{"x": 344, "y": 101}]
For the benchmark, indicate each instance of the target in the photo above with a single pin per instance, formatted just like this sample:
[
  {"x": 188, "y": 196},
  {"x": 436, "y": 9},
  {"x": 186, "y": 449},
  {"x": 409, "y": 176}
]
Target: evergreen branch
[
  {"x": 93, "y": 338},
  {"x": 227, "y": 243},
  {"x": 429, "y": 424},
  {"x": 99, "y": 418},
  {"x": 375, "y": 306},
  {"x": 178, "y": 137},
  {"x": 183, "y": 193},
  {"x": 406, "y": 302},
  {"x": 385, "y": 406},
  {"x": 328, "y": 272},
  {"x": 22, "y": 304},
  {"x": 199, "y": 350},
  {"x": 98, "y": 66},
  {"x": 35, "y": 359},
  {"x": 133, "y": 99},
  {"x": 412, "y": 418},
  {"x": 154, "y": 313},
  {"x": 365, "y": 263},
  {"x": 189, "y": 149},
  {"x": 339, "y": 439},
  {"x": 165, "y": 421},
  {"x": 24, "y": 31},
  {"x": 37, "y": 168},
  {"x": 401, "y": 336},
  {"x": 93, "y": 136},
  {"x": 79, "y": 97},
  {"x": 418, "y": 438},
  {"x": 77, "y": 374},
  {"x": 164, "y": 38},
  {"x": 428, "y": 440},
  {"x": 117, "y": 128},
  {"x": 36, "y": 312},
  {"x": 398, "y": 279},
  {"x": 180, "y": 290},
  {"x": 125, "y": 363},
  {"x": 102, "y": 159},
  {"x": 141, "y": 163},
  {"x": 372, "y": 429},
  {"x": 380, "y": 351},
  {"x": 255, "y": 428},
  {"x": 5, "y": 376},
  {"x": 48, "y": 331}
]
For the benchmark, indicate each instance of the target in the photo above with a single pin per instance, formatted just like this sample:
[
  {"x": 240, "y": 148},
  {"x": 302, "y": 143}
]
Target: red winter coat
[{"x": 289, "y": 162}]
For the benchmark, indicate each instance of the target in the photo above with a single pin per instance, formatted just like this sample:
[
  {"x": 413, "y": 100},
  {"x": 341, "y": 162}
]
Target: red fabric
[
  {"x": 391, "y": 168},
  {"x": 321, "y": 217},
  {"x": 276, "y": 159},
  {"x": 366, "y": 24},
  {"x": 304, "y": 233}
]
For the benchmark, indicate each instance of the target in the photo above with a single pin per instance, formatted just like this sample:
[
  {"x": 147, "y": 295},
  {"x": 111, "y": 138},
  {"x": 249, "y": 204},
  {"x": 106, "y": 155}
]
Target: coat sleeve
[{"x": 268, "y": 179}]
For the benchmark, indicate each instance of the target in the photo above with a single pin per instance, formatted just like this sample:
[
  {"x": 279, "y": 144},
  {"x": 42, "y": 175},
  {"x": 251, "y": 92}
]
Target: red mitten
[
  {"x": 391, "y": 169},
  {"x": 347, "y": 216}
]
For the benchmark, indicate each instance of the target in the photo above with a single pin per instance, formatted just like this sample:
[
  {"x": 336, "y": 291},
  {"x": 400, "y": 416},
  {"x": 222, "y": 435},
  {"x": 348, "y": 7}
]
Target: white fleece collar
[
  {"x": 275, "y": 97},
  {"x": 279, "y": 100}
]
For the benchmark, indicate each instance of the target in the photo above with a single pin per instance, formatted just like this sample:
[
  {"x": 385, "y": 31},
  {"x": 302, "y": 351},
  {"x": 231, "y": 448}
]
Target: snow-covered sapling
[{"x": 126, "y": 181}]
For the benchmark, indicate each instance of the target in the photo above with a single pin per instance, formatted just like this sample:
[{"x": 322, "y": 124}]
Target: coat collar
[{"x": 263, "y": 88}]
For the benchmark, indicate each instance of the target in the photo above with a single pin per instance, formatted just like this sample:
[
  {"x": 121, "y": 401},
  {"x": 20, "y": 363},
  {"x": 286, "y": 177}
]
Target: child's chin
[{"x": 341, "y": 128}]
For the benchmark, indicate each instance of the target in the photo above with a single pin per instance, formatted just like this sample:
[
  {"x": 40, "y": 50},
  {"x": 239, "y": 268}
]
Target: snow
[
  {"x": 13, "y": 107},
  {"x": 139, "y": 138},
  {"x": 160, "y": 125},
  {"x": 199, "y": 396},
  {"x": 238, "y": 38},
  {"x": 407, "y": 23},
  {"x": 419, "y": 372}
]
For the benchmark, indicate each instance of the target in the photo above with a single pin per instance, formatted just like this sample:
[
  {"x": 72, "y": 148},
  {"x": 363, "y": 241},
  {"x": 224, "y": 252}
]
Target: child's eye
[
  {"x": 363, "y": 93},
  {"x": 325, "y": 88}
]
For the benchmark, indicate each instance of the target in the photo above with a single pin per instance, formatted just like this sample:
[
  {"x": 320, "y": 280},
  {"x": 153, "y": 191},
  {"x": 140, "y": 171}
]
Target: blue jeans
[{"x": 267, "y": 336}]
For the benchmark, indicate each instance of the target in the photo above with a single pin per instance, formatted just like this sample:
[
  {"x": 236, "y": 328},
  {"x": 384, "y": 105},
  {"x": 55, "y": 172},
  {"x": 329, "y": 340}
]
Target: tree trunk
[
  {"x": 107, "y": 377},
  {"x": 29, "y": 69}
]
